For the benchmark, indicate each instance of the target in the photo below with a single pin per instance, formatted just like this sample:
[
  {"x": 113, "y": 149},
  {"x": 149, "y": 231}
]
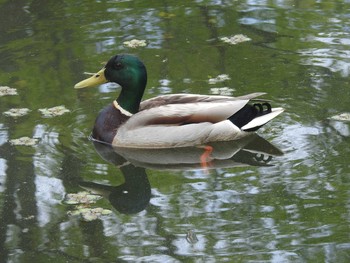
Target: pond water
[{"x": 252, "y": 204}]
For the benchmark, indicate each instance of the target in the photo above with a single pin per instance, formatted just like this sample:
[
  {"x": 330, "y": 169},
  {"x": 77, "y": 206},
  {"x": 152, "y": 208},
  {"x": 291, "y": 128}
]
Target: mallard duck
[{"x": 167, "y": 121}]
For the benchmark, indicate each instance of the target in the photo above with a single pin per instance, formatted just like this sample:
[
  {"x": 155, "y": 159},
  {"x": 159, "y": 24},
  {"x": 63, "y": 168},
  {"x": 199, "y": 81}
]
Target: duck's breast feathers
[
  {"x": 179, "y": 114},
  {"x": 107, "y": 122},
  {"x": 192, "y": 98}
]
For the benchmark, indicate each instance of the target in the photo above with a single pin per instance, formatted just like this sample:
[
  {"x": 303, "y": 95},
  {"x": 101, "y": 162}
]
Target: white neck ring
[{"x": 123, "y": 111}]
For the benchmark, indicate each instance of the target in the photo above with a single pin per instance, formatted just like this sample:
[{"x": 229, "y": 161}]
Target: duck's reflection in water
[{"x": 134, "y": 194}]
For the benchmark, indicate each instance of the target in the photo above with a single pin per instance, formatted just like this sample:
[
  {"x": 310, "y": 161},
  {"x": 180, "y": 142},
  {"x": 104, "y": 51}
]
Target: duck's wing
[
  {"x": 193, "y": 98},
  {"x": 180, "y": 109},
  {"x": 186, "y": 113}
]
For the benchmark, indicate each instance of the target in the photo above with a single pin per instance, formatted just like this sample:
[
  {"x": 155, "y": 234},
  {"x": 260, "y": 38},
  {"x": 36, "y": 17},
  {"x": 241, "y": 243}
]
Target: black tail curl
[{"x": 248, "y": 113}]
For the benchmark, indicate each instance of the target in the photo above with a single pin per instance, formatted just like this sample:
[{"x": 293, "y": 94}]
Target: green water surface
[{"x": 295, "y": 209}]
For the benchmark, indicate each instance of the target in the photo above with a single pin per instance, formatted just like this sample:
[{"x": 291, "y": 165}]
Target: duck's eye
[{"x": 118, "y": 65}]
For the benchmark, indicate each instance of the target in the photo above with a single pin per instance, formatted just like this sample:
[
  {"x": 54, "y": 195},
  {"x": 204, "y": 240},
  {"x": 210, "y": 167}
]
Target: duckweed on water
[
  {"x": 219, "y": 78},
  {"x": 341, "y": 117},
  {"x": 135, "y": 43},
  {"x": 25, "y": 141},
  {"x": 5, "y": 90},
  {"x": 236, "y": 39},
  {"x": 223, "y": 91},
  {"x": 89, "y": 214},
  {"x": 16, "y": 112},
  {"x": 54, "y": 111},
  {"x": 84, "y": 199},
  {"x": 81, "y": 198}
]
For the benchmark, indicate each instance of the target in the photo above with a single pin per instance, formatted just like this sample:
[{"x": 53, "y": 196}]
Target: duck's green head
[
  {"x": 127, "y": 71},
  {"x": 122, "y": 69}
]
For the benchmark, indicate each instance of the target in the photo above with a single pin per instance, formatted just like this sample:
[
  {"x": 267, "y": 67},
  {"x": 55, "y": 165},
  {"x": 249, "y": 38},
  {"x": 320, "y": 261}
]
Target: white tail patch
[{"x": 261, "y": 120}]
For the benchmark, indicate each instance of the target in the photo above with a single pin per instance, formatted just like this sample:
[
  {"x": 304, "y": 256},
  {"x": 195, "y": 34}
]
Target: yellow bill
[{"x": 96, "y": 79}]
